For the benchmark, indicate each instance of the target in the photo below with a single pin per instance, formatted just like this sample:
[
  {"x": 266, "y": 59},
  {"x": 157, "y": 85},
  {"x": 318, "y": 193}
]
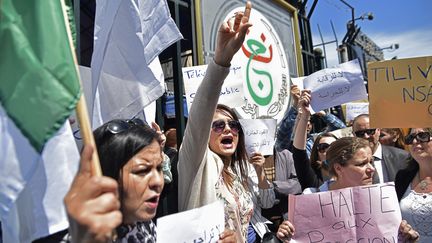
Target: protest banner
[
  {"x": 197, "y": 225},
  {"x": 356, "y": 214},
  {"x": 232, "y": 89},
  {"x": 335, "y": 86},
  {"x": 355, "y": 109},
  {"x": 259, "y": 135},
  {"x": 400, "y": 93}
]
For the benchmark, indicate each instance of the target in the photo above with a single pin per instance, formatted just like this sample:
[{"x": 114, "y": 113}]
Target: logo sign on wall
[{"x": 265, "y": 67}]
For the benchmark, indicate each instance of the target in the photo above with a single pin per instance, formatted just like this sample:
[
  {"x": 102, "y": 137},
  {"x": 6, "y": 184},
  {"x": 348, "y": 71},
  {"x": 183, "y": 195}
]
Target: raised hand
[
  {"x": 162, "y": 137},
  {"x": 295, "y": 92},
  {"x": 304, "y": 101},
  {"x": 257, "y": 159},
  {"x": 92, "y": 204},
  {"x": 231, "y": 36}
]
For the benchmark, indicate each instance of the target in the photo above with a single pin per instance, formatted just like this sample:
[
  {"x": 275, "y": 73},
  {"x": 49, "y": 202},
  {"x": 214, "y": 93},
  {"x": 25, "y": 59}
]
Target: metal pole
[
  {"x": 178, "y": 82},
  {"x": 77, "y": 8},
  {"x": 194, "y": 39},
  {"x": 324, "y": 49}
]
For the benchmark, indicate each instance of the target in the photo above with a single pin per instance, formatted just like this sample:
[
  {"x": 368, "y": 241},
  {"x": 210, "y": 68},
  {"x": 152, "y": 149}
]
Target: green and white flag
[
  {"x": 39, "y": 85},
  {"x": 39, "y": 88}
]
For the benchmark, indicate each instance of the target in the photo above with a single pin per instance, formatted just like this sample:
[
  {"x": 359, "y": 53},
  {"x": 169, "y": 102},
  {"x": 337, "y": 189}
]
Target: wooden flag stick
[
  {"x": 87, "y": 134},
  {"x": 81, "y": 108}
]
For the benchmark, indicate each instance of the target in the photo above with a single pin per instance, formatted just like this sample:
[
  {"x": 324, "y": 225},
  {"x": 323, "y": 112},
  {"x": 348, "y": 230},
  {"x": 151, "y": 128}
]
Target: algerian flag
[
  {"x": 39, "y": 84},
  {"x": 39, "y": 88}
]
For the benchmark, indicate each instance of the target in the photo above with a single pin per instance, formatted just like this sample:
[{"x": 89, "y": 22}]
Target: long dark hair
[
  {"x": 315, "y": 157},
  {"x": 115, "y": 150},
  {"x": 239, "y": 156}
]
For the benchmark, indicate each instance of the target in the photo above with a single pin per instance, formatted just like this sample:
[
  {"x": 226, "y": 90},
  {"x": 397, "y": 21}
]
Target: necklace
[{"x": 423, "y": 184}]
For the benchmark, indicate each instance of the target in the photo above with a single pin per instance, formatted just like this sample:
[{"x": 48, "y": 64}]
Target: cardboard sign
[
  {"x": 355, "y": 109},
  {"x": 203, "y": 224},
  {"x": 232, "y": 89},
  {"x": 259, "y": 135},
  {"x": 356, "y": 214},
  {"x": 335, "y": 86},
  {"x": 400, "y": 92}
]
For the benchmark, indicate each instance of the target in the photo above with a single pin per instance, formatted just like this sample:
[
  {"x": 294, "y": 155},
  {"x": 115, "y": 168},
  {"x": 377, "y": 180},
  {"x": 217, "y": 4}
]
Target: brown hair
[
  {"x": 342, "y": 150},
  {"x": 171, "y": 138},
  {"x": 239, "y": 156},
  {"x": 399, "y": 143}
]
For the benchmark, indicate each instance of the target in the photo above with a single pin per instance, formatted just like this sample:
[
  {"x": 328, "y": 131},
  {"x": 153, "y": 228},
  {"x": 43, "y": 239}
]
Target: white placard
[
  {"x": 335, "y": 86},
  {"x": 355, "y": 109},
  {"x": 203, "y": 224},
  {"x": 298, "y": 81},
  {"x": 259, "y": 135},
  {"x": 232, "y": 89}
]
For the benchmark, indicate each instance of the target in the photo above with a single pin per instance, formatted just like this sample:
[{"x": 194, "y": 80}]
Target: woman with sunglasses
[
  {"x": 350, "y": 162},
  {"x": 310, "y": 172},
  {"x": 212, "y": 158},
  {"x": 126, "y": 197},
  {"x": 318, "y": 155},
  {"x": 414, "y": 184}
]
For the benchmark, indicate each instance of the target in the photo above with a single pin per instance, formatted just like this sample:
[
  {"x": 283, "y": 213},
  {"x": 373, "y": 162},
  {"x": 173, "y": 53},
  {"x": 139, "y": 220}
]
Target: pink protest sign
[{"x": 355, "y": 214}]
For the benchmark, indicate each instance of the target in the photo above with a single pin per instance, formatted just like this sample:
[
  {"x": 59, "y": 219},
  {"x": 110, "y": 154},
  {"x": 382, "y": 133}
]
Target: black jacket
[{"x": 404, "y": 178}]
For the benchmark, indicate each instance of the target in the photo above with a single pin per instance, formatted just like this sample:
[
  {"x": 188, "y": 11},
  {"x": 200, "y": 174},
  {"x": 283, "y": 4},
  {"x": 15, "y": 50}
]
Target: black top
[
  {"x": 404, "y": 178},
  {"x": 305, "y": 174}
]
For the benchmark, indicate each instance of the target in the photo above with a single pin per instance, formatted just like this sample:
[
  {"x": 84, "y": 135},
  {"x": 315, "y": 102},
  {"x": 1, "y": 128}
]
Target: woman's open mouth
[
  {"x": 227, "y": 142},
  {"x": 153, "y": 202}
]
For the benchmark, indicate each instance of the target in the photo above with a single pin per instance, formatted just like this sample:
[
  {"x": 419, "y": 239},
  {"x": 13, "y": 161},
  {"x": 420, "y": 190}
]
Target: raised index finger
[{"x": 247, "y": 12}]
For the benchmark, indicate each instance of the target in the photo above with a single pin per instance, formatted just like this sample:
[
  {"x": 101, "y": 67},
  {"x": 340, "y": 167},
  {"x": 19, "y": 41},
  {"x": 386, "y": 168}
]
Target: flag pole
[{"x": 81, "y": 108}]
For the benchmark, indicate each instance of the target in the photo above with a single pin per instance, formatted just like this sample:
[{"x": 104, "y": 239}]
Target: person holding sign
[
  {"x": 388, "y": 160},
  {"x": 212, "y": 161},
  {"x": 285, "y": 130},
  {"x": 414, "y": 184},
  {"x": 311, "y": 172},
  {"x": 350, "y": 160}
]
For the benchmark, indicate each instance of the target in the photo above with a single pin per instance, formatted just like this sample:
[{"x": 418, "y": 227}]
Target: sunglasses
[
  {"x": 421, "y": 137},
  {"x": 322, "y": 147},
  {"x": 219, "y": 126},
  {"x": 118, "y": 125},
  {"x": 361, "y": 133}
]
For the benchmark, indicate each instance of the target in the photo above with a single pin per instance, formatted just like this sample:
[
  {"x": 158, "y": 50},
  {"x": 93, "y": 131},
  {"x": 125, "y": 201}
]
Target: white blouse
[{"x": 416, "y": 209}]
